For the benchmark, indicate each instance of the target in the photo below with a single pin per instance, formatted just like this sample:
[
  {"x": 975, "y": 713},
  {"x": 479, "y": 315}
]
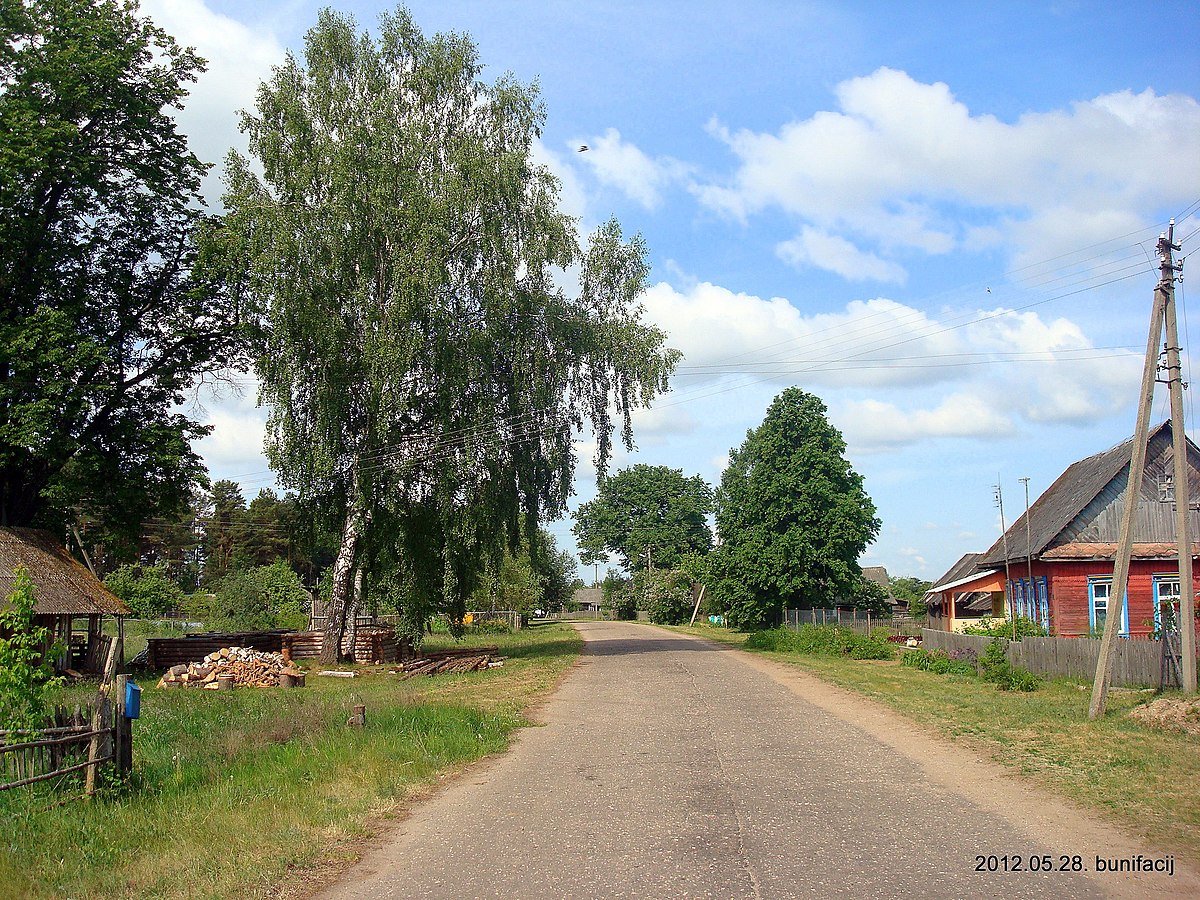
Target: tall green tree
[
  {"x": 646, "y": 508},
  {"x": 792, "y": 516},
  {"x": 110, "y": 311},
  {"x": 425, "y": 373}
]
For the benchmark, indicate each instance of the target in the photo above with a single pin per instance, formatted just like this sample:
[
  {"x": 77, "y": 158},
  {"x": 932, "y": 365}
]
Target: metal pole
[
  {"x": 1012, "y": 608},
  {"x": 1183, "y": 540}
]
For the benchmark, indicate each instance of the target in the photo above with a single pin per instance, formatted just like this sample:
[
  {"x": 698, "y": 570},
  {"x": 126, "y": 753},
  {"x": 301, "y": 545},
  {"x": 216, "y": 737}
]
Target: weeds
[{"x": 823, "y": 640}]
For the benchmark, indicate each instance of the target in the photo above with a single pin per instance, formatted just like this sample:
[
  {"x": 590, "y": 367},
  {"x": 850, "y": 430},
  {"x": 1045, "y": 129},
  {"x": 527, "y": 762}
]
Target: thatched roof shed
[{"x": 61, "y": 586}]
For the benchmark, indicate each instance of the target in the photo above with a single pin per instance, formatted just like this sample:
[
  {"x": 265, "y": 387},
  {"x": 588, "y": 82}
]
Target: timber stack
[
  {"x": 450, "y": 663},
  {"x": 254, "y": 668}
]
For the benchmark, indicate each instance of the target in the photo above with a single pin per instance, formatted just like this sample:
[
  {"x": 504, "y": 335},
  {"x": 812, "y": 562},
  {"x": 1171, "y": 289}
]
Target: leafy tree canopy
[
  {"x": 425, "y": 372},
  {"x": 148, "y": 590},
  {"x": 111, "y": 313},
  {"x": 646, "y": 508},
  {"x": 792, "y": 516},
  {"x": 910, "y": 589}
]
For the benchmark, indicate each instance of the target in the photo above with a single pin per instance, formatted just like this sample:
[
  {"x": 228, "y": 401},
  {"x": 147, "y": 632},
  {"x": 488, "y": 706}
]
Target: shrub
[
  {"x": 27, "y": 681},
  {"x": 490, "y": 626},
  {"x": 995, "y": 667},
  {"x": 668, "y": 597},
  {"x": 259, "y": 599},
  {"x": 822, "y": 640},
  {"x": 148, "y": 590},
  {"x": 938, "y": 662},
  {"x": 1003, "y": 628}
]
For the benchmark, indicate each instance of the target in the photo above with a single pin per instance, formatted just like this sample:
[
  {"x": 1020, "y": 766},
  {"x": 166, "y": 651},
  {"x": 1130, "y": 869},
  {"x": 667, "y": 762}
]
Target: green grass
[
  {"x": 1143, "y": 779},
  {"x": 235, "y": 793}
]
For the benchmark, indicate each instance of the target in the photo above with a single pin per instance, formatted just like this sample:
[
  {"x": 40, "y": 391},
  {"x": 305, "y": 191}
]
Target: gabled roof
[
  {"x": 878, "y": 575},
  {"x": 966, "y": 566},
  {"x": 1054, "y": 510},
  {"x": 61, "y": 586}
]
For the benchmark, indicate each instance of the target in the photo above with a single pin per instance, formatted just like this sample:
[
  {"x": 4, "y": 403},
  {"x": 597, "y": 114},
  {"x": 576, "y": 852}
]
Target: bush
[
  {"x": 27, "y": 681},
  {"x": 995, "y": 667},
  {"x": 823, "y": 640},
  {"x": 1003, "y": 628},
  {"x": 938, "y": 662},
  {"x": 490, "y": 626},
  {"x": 618, "y": 596},
  {"x": 260, "y": 599},
  {"x": 668, "y": 597},
  {"x": 148, "y": 590}
]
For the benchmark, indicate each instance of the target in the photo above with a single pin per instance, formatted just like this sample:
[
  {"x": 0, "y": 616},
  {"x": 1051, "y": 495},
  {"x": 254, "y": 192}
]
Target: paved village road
[{"x": 671, "y": 767}]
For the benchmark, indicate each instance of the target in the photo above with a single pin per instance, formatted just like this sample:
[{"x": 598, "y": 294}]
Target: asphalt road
[{"x": 670, "y": 767}]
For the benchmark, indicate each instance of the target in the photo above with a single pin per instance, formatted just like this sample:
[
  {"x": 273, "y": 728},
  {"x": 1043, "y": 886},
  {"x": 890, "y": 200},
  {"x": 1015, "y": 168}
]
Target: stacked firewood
[
  {"x": 450, "y": 663},
  {"x": 255, "y": 668}
]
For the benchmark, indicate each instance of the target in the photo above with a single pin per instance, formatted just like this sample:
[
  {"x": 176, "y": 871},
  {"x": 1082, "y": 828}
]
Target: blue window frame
[
  {"x": 1043, "y": 601},
  {"x": 1099, "y": 591}
]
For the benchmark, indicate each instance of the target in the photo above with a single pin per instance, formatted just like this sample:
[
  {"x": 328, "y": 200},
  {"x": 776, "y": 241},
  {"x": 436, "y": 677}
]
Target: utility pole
[
  {"x": 1028, "y": 541},
  {"x": 1011, "y": 601},
  {"x": 1183, "y": 539},
  {"x": 1137, "y": 466}
]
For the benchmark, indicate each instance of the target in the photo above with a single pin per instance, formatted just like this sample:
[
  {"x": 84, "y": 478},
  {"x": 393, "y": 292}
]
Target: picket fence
[{"x": 1135, "y": 663}]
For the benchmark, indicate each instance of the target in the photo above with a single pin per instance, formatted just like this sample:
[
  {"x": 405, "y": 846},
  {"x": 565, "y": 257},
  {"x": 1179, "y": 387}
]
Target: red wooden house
[{"x": 1072, "y": 540}]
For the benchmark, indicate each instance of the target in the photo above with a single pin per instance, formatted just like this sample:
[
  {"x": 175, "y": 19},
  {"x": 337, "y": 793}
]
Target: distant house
[
  {"x": 588, "y": 600},
  {"x": 1073, "y": 530},
  {"x": 879, "y": 575},
  {"x": 65, "y": 594}
]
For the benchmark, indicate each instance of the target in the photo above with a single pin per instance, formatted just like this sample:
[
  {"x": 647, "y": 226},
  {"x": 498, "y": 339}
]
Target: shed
[{"x": 64, "y": 591}]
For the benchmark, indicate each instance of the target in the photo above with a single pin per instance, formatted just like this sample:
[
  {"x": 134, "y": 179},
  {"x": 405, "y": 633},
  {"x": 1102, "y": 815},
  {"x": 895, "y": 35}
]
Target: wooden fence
[
  {"x": 1135, "y": 663},
  {"x": 70, "y": 744}
]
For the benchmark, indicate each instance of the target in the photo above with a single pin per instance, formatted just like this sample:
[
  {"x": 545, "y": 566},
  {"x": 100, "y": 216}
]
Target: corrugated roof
[
  {"x": 61, "y": 586},
  {"x": 1074, "y": 489}
]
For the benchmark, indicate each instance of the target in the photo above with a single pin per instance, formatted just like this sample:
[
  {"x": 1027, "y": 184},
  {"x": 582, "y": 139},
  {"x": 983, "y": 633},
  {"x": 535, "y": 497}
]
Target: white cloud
[
  {"x": 814, "y": 247},
  {"x": 620, "y": 164},
  {"x": 239, "y": 59},
  {"x": 878, "y": 425},
  {"x": 893, "y": 374},
  {"x": 898, "y": 158}
]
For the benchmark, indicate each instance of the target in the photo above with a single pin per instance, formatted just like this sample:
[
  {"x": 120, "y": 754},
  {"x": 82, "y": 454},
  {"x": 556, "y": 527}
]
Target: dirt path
[{"x": 669, "y": 767}]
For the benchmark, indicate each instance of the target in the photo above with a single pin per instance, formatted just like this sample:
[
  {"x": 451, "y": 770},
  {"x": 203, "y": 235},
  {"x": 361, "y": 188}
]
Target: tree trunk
[{"x": 343, "y": 572}]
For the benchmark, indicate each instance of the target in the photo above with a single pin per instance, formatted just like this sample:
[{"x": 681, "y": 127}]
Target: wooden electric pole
[
  {"x": 1137, "y": 466},
  {"x": 1183, "y": 538},
  {"x": 1008, "y": 593}
]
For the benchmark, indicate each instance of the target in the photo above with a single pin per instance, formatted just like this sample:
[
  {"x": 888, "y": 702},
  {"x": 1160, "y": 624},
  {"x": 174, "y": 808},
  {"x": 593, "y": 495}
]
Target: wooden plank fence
[{"x": 1135, "y": 663}]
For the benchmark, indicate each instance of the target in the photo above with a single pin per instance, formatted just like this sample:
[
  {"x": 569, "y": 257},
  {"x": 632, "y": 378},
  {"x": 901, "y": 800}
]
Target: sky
[{"x": 938, "y": 217}]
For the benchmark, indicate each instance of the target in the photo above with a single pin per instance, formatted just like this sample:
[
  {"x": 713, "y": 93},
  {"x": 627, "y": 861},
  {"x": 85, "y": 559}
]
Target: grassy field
[
  {"x": 237, "y": 793},
  {"x": 1146, "y": 780}
]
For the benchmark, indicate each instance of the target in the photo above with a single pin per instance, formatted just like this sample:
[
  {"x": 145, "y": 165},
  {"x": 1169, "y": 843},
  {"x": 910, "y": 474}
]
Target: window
[
  {"x": 1166, "y": 596},
  {"x": 1099, "y": 591}
]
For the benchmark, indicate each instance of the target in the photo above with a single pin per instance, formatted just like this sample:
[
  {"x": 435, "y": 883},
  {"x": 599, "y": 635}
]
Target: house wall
[{"x": 1070, "y": 603}]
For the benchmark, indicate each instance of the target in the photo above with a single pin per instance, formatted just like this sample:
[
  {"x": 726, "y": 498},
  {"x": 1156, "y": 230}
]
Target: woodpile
[
  {"x": 451, "y": 662},
  {"x": 372, "y": 644},
  {"x": 237, "y": 666}
]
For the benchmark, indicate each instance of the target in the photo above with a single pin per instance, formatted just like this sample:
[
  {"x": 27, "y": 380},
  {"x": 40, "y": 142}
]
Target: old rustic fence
[
  {"x": 1135, "y": 663},
  {"x": 71, "y": 744}
]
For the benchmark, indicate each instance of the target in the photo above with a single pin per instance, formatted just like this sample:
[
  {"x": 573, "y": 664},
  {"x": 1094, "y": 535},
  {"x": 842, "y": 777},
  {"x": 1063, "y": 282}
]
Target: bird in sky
[{"x": 582, "y": 147}]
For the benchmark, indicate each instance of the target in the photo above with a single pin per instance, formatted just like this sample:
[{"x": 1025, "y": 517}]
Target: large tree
[
  {"x": 425, "y": 372},
  {"x": 792, "y": 516},
  {"x": 107, "y": 321},
  {"x": 642, "y": 510}
]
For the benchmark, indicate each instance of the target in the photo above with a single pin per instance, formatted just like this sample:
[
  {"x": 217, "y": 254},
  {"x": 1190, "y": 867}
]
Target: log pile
[
  {"x": 451, "y": 663},
  {"x": 255, "y": 668},
  {"x": 372, "y": 644}
]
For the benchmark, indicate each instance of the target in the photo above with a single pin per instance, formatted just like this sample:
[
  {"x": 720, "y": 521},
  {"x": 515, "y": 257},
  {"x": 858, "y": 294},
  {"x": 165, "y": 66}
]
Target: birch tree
[{"x": 425, "y": 373}]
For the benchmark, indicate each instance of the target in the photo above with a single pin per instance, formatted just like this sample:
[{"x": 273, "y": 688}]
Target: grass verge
[
  {"x": 1145, "y": 780},
  {"x": 234, "y": 793}
]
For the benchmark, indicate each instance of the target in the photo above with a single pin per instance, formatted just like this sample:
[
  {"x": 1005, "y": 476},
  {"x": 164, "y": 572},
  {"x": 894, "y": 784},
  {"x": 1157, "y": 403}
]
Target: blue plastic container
[{"x": 133, "y": 700}]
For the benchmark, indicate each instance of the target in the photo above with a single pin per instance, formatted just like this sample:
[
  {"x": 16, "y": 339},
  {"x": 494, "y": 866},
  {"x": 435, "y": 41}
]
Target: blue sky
[{"x": 939, "y": 217}]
